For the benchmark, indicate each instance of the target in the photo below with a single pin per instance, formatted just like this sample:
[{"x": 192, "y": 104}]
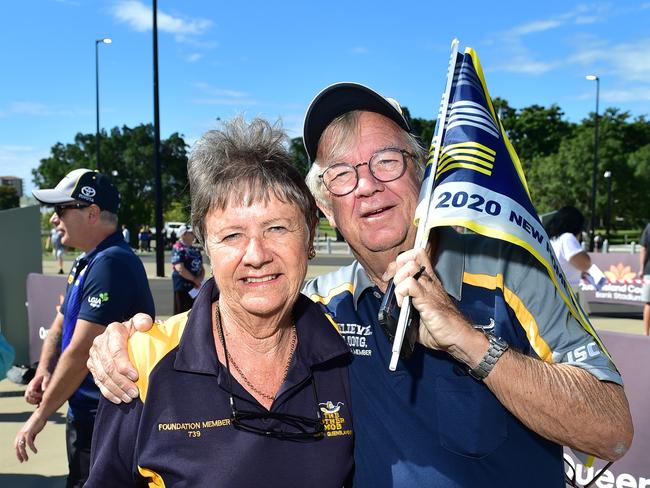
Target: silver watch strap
[{"x": 495, "y": 350}]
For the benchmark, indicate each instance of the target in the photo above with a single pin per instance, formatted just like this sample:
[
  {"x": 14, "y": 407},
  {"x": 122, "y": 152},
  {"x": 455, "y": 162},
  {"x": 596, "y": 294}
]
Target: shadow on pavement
[
  {"x": 57, "y": 418},
  {"x": 31, "y": 481},
  {"x": 10, "y": 394}
]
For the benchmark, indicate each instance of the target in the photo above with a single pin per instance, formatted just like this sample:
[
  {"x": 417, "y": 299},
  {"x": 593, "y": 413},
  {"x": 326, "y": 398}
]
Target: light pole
[
  {"x": 608, "y": 221},
  {"x": 592, "y": 231},
  {"x": 105, "y": 40}
]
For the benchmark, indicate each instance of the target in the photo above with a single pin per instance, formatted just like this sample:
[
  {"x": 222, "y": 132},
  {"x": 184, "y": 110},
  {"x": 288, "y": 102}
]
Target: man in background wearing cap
[
  {"x": 107, "y": 283},
  {"x": 188, "y": 271},
  {"x": 465, "y": 409}
]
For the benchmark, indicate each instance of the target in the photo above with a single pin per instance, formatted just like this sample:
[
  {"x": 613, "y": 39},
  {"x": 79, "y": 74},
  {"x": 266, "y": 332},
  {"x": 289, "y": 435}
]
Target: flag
[{"x": 474, "y": 179}]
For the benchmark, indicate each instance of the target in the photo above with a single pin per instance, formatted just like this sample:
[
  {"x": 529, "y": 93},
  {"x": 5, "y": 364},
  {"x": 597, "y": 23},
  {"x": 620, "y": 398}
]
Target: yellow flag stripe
[
  {"x": 464, "y": 159},
  {"x": 469, "y": 144},
  {"x": 525, "y": 318},
  {"x": 465, "y": 166},
  {"x": 475, "y": 152}
]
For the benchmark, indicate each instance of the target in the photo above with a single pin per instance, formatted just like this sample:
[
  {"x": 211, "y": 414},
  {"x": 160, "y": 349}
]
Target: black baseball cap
[
  {"x": 339, "y": 99},
  {"x": 82, "y": 185}
]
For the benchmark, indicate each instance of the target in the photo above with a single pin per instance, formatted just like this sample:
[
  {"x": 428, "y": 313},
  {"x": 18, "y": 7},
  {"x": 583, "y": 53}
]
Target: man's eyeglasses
[
  {"x": 60, "y": 209},
  {"x": 385, "y": 165},
  {"x": 570, "y": 476},
  {"x": 285, "y": 426}
]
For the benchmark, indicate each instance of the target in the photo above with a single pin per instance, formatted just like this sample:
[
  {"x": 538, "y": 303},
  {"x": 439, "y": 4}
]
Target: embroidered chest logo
[
  {"x": 357, "y": 338},
  {"x": 333, "y": 419},
  {"x": 97, "y": 301}
]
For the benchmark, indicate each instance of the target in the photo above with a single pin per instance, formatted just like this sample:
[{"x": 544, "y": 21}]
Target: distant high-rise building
[{"x": 14, "y": 181}]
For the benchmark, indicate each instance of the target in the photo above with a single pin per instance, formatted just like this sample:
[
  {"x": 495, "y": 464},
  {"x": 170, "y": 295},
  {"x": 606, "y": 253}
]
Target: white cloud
[
  {"x": 521, "y": 59},
  {"x": 220, "y": 92},
  {"x": 139, "y": 17},
  {"x": 638, "y": 94},
  {"x": 626, "y": 61},
  {"x": 527, "y": 66},
  {"x": 359, "y": 50},
  {"x": 224, "y": 101},
  {"x": 194, "y": 57},
  {"x": 38, "y": 109},
  {"x": 535, "y": 26}
]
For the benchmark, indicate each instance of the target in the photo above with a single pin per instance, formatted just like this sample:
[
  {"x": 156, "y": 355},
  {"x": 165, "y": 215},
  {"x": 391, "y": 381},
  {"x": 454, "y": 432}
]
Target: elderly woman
[{"x": 249, "y": 388}]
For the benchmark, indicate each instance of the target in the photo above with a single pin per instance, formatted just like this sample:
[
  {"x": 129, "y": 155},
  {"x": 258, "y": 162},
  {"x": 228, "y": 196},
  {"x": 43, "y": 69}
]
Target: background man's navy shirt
[{"x": 115, "y": 288}]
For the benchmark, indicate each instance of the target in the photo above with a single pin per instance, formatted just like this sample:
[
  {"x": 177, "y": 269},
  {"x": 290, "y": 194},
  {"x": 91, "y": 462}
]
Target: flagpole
[{"x": 421, "y": 236}]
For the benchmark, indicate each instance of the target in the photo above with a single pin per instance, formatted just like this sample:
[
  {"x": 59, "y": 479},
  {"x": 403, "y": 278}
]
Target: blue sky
[{"x": 269, "y": 59}]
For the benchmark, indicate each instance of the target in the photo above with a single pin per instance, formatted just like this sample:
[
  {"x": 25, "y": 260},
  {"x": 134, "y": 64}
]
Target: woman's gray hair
[
  {"x": 248, "y": 163},
  {"x": 338, "y": 137}
]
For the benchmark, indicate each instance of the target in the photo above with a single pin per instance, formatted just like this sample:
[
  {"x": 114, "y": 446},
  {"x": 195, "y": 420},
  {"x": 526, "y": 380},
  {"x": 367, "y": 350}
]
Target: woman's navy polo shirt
[{"x": 178, "y": 432}]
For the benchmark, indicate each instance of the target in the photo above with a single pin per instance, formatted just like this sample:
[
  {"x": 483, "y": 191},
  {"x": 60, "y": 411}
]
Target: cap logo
[{"x": 88, "y": 191}]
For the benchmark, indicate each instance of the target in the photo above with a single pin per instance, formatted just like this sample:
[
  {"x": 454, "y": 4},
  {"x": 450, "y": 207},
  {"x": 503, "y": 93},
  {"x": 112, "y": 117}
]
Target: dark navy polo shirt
[
  {"x": 429, "y": 424},
  {"x": 114, "y": 288},
  {"x": 179, "y": 432}
]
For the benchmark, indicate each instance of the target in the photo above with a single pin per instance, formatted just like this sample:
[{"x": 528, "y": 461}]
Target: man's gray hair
[
  {"x": 339, "y": 135},
  {"x": 248, "y": 163}
]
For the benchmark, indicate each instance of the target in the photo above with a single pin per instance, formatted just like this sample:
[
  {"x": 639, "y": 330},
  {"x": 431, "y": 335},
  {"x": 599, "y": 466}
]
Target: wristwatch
[{"x": 497, "y": 347}]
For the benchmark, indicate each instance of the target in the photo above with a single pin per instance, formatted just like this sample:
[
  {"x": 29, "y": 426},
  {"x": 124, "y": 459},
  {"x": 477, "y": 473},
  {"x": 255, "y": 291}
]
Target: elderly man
[
  {"x": 474, "y": 405},
  {"x": 106, "y": 283}
]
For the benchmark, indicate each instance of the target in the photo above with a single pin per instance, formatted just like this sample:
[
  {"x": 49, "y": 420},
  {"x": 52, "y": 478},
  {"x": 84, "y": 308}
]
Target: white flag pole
[{"x": 421, "y": 235}]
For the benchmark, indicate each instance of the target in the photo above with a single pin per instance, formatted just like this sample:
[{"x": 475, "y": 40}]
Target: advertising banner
[
  {"x": 44, "y": 297},
  {"x": 631, "y": 353},
  {"x": 622, "y": 287}
]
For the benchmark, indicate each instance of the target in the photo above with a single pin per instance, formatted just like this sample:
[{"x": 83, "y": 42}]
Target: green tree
[
  {"x": 8, "y": 197},
  {"x": 299, "y": 155},
  {"x": 177, "y": 212},
  {"x": 638, "y": 164},
  {"x": 565, "y": 177},
  {"x": 535, "y": 130},
  {"x": 127, "y": 156}
]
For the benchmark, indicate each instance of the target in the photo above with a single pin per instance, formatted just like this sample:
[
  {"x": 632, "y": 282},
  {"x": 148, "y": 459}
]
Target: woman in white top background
[{"x": 564, "y": 229}]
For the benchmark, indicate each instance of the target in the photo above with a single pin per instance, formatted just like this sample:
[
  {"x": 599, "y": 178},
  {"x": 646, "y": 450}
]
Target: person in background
[
  {"x": 126, "y": 234},
  {"x": 188, "y": 273},
  {"x": 7, "y": 356},
  {"x": 644, "y": 272},
  {"x": 107, "y": 283},
  {"x": 58, "y": 249},
  {"x": 143, "y": 238},
  {"x": 564, "y": 229}
]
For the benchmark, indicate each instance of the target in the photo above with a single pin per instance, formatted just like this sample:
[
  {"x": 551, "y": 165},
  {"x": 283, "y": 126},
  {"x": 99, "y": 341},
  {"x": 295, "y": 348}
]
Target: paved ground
[{"x": 48, "y": 468}]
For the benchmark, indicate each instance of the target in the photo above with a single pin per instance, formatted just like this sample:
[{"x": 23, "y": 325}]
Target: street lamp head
[
  {"x": 591, "y": 77},
  {"x": 608, "y": 174},
  {"x": 105, "y": 40}
]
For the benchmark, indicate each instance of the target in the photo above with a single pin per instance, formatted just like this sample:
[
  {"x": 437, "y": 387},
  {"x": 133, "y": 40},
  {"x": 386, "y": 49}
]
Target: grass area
[
  {"x": 324, "y": 229},
  {"x": 621, "y": 236}
]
